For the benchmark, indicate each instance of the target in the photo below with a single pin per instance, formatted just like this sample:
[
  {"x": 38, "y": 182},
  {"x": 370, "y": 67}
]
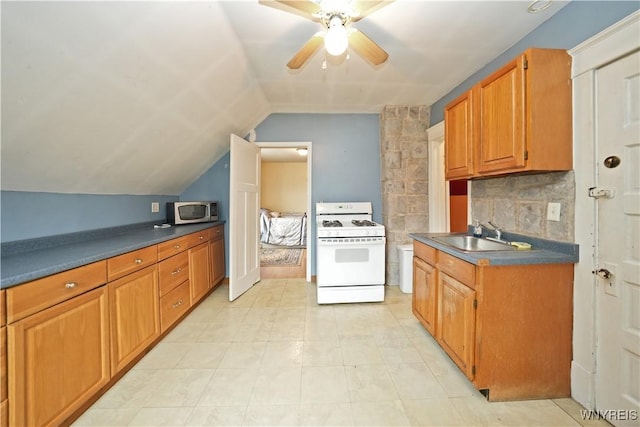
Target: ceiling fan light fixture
[{"x": 336, "y": 40}]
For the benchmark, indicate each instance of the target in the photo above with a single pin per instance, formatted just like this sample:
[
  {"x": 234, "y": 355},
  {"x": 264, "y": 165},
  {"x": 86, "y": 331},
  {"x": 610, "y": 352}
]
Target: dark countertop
[
  {"x": 542, "y": 251},
  {"x": 39, "y": 257}
]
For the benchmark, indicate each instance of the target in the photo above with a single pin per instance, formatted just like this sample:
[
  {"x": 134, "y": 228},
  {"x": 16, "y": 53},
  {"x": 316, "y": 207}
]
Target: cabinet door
[
  {"x": 500, "y": 112},
  {"x": 135, "y": 315},
  {"x": 217, "y": 255},
  {"x": 199, "y": 271},
  {"x": 58, "y": 359},
  {"x": 424, "y": 294},
  {"x": 458, "y": 138},
  {"x": 457, "y": 322}
]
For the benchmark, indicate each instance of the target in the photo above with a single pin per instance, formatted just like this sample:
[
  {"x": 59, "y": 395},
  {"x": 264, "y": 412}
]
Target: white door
[
  {"x": 618, "y": 248},
  {"x": 244, "y": 230}
]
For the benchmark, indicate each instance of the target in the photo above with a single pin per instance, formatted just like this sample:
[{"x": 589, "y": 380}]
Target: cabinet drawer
[
  {"x": 173, "y": 271},
  {"x": 172, "y": 247},
  {"x": 457, "y": 268},
  {"x": 32, "y": 297},
  {"x": 196, "y": 238},
  {"x": 424, "y": 252},
  {"x": 124, "y": 264},
  {"x": 173, "y": 305},
  {"x": 217, "y": 232}
]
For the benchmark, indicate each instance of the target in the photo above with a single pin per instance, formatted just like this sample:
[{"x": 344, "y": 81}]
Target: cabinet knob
[
  {"x": 176, "y": 247},
  {"x": 201, "y": 237},
  {"x": 176, "y": 271},
  {"x": 138, "y": 261},
  {"x": 70, "y": 285}
]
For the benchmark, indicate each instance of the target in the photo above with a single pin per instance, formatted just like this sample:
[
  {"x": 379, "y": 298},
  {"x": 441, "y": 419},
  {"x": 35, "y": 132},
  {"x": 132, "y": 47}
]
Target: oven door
[{"x": 348, "y": 261}]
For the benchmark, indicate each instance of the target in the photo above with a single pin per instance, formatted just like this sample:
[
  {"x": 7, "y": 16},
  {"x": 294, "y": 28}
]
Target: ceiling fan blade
[
  {"x": 306, "y": 52},
  {"x": 367, "y": 7},
  {"x": 367, "y": 48},
  {"x": 305, "y": 8}
]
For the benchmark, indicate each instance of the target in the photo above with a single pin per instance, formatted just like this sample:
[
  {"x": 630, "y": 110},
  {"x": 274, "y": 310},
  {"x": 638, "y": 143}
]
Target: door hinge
[
  {"x": 475, "y": 303},
  {"x": 525, "y": 63},
  {"x": 473, "y": 370},
  {"x": 526, "y": 154}
]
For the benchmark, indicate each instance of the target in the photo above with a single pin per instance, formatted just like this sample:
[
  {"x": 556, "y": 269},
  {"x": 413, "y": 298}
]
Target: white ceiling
[{"x": 140, "y": 97}]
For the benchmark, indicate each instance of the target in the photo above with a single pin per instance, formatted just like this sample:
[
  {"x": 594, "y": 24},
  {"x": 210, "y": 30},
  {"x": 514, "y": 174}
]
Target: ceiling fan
[{"x": 336, "y": 17}]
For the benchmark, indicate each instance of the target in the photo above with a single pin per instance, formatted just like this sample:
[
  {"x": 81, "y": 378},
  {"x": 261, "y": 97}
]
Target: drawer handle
[
  {"x": 176, "y": 271},
  {"x": 176, "y": 247},
  {"x": 70, "y": 285},
  {"x": 138, "y": 261},
  {"x": 201, "y": 237},
  {"x": 178, "y": 304}
]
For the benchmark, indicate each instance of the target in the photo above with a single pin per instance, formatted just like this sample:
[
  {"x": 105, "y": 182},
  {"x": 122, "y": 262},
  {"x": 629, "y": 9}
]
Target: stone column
[{"x": 404, "y": 174}]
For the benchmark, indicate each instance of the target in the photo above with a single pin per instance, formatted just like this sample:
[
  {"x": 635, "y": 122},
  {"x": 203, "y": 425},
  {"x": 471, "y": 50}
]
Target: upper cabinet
[{"x": 516, "y": 120}]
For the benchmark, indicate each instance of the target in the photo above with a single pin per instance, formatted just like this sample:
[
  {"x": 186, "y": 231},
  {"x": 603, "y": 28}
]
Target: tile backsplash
[{"x": 519, "y": 203}]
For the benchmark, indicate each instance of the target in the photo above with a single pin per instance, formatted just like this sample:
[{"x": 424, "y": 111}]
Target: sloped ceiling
[{"x": 140, "y": 97}]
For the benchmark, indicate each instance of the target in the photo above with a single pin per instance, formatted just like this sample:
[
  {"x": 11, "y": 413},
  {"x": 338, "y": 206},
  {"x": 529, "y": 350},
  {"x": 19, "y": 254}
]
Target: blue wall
[
  {"x": 27, "y": 215},
  {"x": 573, "y": 24},
  {"x": 345, "y": 161}
]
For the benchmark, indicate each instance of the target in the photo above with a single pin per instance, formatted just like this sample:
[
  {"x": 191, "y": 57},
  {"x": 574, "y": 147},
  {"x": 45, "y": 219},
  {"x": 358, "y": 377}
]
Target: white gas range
[{"x": 350, "y": 255}]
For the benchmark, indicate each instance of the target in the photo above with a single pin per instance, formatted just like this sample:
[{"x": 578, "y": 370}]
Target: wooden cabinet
[
  {"x": 58, "y": 358},
  {"x": 216, "y": 252},
  {"x": 458, "y": 131},
  {"x": 457, "y": 322},
  {"x": 174, "y": 304},
  {"x": 518, "y": 119},
  {"x": 424, "y": 302},
  {"x": 134, "y": 315},
  {"x": 199, "y": 271},
  {"x": 124, "y": 264},
  {"x": 4, "y": 405},
  {"x": 507, "y": 327}
]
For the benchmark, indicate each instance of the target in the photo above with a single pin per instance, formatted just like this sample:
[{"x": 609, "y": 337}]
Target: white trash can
[{"x": 405, "y": 258}]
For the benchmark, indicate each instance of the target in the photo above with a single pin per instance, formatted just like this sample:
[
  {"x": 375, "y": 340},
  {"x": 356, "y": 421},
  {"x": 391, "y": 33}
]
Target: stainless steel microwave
[{"x": 191, "y": 212}]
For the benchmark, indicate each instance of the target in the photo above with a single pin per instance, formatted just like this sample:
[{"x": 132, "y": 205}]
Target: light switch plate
[
  {"x": 553, "y": 211},
  {"x": 155, "y": 207}
]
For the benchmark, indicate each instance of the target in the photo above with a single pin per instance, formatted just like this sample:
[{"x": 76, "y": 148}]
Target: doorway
[{"x": 285, "y": 210}]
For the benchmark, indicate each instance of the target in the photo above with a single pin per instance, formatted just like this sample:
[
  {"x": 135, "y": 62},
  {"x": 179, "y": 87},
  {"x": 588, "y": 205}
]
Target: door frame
[
  {"x": 308, "y": 145},
  {"x": 438, "y": 187},
  {"x": 612, "y": 43}
]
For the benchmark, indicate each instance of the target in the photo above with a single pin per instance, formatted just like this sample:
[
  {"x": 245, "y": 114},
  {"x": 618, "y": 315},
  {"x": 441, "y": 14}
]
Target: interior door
[
  {"x": 244, "y": 205},
  {"x": 618, "y": 249}
]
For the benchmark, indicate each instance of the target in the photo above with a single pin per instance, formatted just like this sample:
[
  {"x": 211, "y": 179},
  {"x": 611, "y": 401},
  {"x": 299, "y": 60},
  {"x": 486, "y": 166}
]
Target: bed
[{"x": 283, "y": 228}]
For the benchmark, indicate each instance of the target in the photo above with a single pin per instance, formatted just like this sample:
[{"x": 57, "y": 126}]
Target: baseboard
[{"x": 582, "y": 385}]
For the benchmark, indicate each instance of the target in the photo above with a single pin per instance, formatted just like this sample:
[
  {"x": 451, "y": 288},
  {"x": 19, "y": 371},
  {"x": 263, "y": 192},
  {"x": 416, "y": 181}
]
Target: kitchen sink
[{"x": 473, "y": 244}]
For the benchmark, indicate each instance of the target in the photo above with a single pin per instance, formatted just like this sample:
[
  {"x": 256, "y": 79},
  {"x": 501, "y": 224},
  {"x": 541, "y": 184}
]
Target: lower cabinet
[
  {"x": 507, "y": 327},
  {"x": 135, "y": 315},
  {"x": 457, "y": 322},
  {"x": 58, "y": 359},
  {"x": 174, "y": 304},
  {"x": 216, "y": 252},
  {"x": 199, "y": 271}
]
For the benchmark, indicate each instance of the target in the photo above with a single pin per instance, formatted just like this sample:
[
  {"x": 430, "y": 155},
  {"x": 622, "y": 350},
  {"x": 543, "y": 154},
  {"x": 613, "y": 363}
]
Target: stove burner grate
[
  {"x": 363, "y": 223},
  {"x": 331, "y": 223}
]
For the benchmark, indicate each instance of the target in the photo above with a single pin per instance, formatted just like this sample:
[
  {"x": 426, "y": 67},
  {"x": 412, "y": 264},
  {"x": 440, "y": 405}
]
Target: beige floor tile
[
  {"x": 271, "y": 415},
  {"x": 321, "y": 353},
  {"x": 261, "y": 314},
  {"x": 328, "y": 414},
  {"x": 165, "y": 355},
  {"x": 291, "y": 314},
  {"x": 386, "y": 413},
  {"x": 281, "y": 354},
  {"x": 96, "y": 417},
  {"x": 415, "y": 381},
  {"x": 287, "y": 331},
  {"x": 207, "y": 355},
  {"x": 324, "y": 384},
  {"x": 432, "y": 412},
  {"x": 230, "y": 314},
  {"x": 573, "y": 408},
  {"x": 216, "y": 416},
  {"x": 278, "y": 386},
  {"x": 360, "y": 351},
  {"x": 252, "y": 332},
  {"x": 320, "y": 330},
  {"x": 370, "y": 383},
  {"x": 125, "y": 393},
  {"x": 229, "y": 387},
  {"x": 173, "y": 388},
  {"x": 243, "y": 355},
  {"x": 161, "y": 417}
]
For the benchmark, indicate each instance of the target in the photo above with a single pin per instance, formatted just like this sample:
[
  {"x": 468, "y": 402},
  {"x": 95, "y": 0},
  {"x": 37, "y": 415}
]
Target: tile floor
[{"x": 275, "y": 357}]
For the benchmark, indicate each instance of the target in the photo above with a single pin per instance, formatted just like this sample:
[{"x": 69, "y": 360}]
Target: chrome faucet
[{"x": 496, "y": 230}]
